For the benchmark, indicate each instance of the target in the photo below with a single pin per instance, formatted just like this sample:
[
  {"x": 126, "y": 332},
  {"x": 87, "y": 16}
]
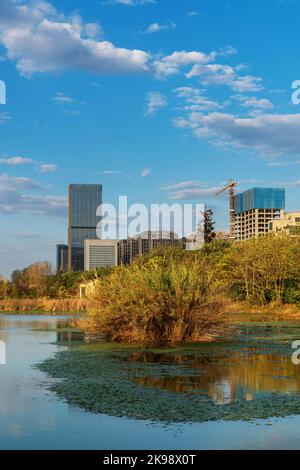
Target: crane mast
[{"x": 231, "y": 188}]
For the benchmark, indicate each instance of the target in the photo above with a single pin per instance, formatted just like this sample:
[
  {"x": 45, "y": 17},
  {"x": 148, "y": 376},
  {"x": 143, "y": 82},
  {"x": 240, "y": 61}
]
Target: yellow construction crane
[{"x": 231, "y": 187}]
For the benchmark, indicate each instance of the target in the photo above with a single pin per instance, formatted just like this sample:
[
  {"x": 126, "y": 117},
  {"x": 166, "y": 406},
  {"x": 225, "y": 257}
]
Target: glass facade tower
[{"x": 84, "y": 200}]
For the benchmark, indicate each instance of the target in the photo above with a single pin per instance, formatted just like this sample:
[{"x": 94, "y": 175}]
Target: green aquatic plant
[{"x": 250, "y": 378}]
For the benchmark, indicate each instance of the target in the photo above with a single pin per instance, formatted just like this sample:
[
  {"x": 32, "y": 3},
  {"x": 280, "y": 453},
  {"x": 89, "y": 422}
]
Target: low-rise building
[
  {"x": 100, "y": 254},
  {"x": 87, "y": 288},
  {"x": 289, "y": 223}
]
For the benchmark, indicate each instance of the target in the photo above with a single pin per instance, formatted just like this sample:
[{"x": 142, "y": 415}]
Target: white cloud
[
  {"x": 48, "y": 168},
  {"x": 13, "y": 201},
  {"x": 61, "y": 98},
  {"x": 146, "y": 172},
  {"x": 253, "y": 102},
  {"x": 282, "y": 163},
  {"x": 266, "y": 134},
  {"x": 41, "y": 39},
  {"x": 218, "y": 74},
  {"x": 12, "y": 183},
  {"x": 157, "y": 27},
  {"x": 191, "y": 189},
  {"x": 171, "y": 64},
  {"x": 193, "y": 13},
  {"x": 227, "y": 51},
  {"x": 130, "y": 2},
  {"x": 18, "y": 161},
  {"x": 15, "y": 161},
  {"x": 198, "y": 193},
  {"x": 183, "y": 185},
  {"x": 4, "y": 117},
  {"x": 155, "y": 101},
  {"x": 112, "y": 173},
  {"x": 194, "y": 100}
]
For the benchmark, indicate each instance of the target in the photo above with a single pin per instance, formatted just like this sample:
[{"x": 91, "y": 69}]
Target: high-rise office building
[
  {"x": 62, "y": 258},
  {"x": 254, "y": 209},
  {"x": 84, "y": 200},
  {"x": 100, "y": 254}
]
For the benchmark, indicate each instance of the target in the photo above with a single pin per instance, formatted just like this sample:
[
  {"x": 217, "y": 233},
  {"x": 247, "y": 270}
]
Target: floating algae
[{"x": 251, "y": 377}]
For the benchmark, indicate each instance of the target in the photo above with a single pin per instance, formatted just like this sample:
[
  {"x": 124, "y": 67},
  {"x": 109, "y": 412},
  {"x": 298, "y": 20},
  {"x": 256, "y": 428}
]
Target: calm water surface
[{"x": 31, "y": 417}]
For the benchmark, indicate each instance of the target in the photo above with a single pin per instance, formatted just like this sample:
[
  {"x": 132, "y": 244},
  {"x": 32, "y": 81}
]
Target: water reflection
[{"x": 222, "y": 379}]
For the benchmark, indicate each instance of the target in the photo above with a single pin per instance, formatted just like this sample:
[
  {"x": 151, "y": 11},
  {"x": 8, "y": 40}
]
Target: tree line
[{"x": 38, "y": 280}]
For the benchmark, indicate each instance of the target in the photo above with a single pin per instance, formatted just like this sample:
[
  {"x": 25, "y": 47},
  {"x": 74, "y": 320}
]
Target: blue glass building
[{"x": 84, "y": 200}]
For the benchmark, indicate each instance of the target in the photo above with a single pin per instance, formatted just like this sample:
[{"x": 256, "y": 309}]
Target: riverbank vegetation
[
  {"x": 161, "y": 299},
  {"x": 38, "y": 280},
  {"x": 43, "y": 304},
  {"x": 173, "y": 296}
]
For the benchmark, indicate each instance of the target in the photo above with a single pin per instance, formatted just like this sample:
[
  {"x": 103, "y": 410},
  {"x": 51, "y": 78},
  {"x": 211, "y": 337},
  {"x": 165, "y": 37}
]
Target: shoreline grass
[{"x": 43, "y": 305}]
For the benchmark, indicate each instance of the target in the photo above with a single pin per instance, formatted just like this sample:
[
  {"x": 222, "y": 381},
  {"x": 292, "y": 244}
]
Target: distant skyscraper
[
  {"x": 62, "y": 258},
  {"x": 84, "y": 200},
  {"x": 254, "y": 209}
]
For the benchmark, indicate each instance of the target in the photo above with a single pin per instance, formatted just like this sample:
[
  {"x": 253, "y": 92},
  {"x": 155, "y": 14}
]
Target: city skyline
[{"x": 167, "y": 106}]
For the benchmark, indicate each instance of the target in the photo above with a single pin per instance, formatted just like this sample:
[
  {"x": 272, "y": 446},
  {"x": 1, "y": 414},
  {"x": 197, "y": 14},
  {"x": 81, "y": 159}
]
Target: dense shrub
[{"x": 163, "y": 300}]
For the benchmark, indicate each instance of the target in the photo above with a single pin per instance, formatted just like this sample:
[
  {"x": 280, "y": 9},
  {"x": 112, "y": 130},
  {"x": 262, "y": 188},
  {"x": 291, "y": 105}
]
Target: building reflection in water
[{"x": 222, "y": 379}]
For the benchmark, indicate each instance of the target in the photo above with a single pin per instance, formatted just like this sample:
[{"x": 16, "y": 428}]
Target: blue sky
[{"x": 159, "y": 100}]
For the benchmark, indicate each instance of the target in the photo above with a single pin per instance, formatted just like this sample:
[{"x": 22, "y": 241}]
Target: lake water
[{"x": 32, "y": 417}]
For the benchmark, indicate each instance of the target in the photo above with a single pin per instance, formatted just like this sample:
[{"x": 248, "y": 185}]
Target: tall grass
[
  {"x": 162, "y": 301},
  {"x": 43, "y": 304}
]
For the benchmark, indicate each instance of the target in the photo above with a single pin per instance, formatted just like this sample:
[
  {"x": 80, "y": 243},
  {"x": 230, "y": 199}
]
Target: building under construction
[{"x": 254, "y": 209}]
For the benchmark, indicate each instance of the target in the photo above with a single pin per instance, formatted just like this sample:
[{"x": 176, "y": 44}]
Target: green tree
[
  {"x": 209, "y": 224},
  {"x": 260, "y": 269}
]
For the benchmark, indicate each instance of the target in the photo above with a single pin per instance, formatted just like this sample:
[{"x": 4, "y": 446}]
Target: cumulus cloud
[
  {"x": 194, "y": 99},
  {"x": 41, "y": 39},
  {"x": 253, "y": 102},
  {"x": 267, "y": 134},
  {"x": 16, "y": 161},
  {"x": 12, "y": 183},
  {"x": 219, "y": 74},
  {"x": 157, "y": 27},
  {"x": 171, "y": 64},
  {"x": 155, "y": 101},
  {"x": 14, "y": 201}
]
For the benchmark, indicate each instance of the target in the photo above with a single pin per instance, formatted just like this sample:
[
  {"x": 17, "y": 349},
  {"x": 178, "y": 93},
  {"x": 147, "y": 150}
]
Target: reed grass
[
  {"x": 43, "y": 305},
  {"x": 163, "y": 301}
]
